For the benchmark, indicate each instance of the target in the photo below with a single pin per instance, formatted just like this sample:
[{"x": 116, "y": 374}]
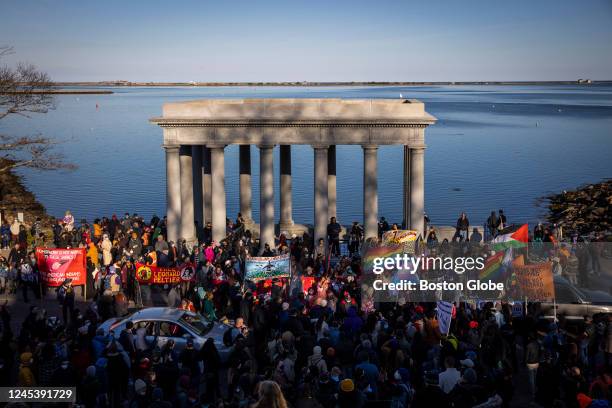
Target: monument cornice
[{"x": 416, "y": 123}]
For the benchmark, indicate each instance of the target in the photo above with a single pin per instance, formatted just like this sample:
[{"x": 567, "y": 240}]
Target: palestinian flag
[{"x": 515, "y": 238}]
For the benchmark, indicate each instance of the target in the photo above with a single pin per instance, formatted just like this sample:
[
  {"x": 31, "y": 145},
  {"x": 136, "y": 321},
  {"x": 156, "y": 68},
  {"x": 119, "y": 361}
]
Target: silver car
[{"x": 165, "y": 323}]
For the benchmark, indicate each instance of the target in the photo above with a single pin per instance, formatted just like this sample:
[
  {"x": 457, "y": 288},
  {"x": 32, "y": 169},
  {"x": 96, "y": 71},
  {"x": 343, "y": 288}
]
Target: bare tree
[{"x": 24, "y": 90}]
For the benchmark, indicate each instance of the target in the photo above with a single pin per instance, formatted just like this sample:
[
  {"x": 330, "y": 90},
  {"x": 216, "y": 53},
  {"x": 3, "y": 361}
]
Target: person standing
[
  {"x": 27, "y": 279},
  {"x": 107, "y": 246},
  {"x": 333, "y": 236},
  {"x": 532, "y": 359},
  {"x": 493, "y": 223},
  {"x": 65, "y": 296},
  {"x": 355, "y": 237},
  {"x": 462, "y": 228}
]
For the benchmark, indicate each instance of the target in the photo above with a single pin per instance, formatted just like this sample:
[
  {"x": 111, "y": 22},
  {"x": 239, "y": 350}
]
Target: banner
[
  {"x": 259, "y": 268},
  {"x": 406, "y": 238},
  {"x": 158, "y": 275},
  {"x": 444, "y": 316},
  {"x": 56, "y": 265},
  {"x": 535, "y": 281}
]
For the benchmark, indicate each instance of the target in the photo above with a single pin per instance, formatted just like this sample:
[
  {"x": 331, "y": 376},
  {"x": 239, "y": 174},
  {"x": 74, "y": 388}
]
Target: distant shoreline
[
  {"x": 323, "y": 84},
  {"x": 63, "y": 92}
]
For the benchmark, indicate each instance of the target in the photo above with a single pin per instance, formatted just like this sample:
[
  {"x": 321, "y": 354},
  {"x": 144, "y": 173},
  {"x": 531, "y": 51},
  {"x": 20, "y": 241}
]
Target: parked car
[
  {"x": 165, "y": 323},
  {"x": 575, "y": 303}
]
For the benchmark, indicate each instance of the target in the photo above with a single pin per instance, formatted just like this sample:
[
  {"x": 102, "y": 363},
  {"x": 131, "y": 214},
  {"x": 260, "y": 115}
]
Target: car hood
[{"x": 597, "y": 297}]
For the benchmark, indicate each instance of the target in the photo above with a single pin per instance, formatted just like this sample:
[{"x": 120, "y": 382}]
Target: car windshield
[{"x": 197, "y": 323}]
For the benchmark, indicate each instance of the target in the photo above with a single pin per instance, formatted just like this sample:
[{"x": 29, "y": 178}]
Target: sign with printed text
[
  {"x": 56, "y": 265},
  {"x": 158, "y": 275},
  {"x": 535, "y": 281},
  {"x": 258, "y": 268}
]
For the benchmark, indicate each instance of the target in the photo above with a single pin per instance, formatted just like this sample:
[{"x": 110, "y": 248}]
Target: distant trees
[{"x": 24, "y": 90}]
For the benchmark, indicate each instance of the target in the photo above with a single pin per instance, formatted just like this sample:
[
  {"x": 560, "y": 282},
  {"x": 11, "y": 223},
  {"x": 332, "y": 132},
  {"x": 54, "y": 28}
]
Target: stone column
[
  {"x": 198, "y": 196},
  {"x": 173, "y": 192},
  {"x": 286, "y": 203},
  {"x": 406, "y": 189},
  {"x": 417, "y": 189},
  {"x": 245, "y": 183},
  {"x": 331, "y": 181},
  {"x": 320, "y": 193},
  {"x": 370, "y": 191},
  {"x": 206, "y": 184},
  {"x": 217, "y": 156},
  {"x": 187, "y": 213},
  {"x": 266, "y": 196}
]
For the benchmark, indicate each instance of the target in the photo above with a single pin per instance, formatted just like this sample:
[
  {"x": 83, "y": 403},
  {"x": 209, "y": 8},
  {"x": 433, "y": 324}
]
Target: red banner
[
  {"x": 158, "y": 275},
  {"x": 56, "y": 265}
]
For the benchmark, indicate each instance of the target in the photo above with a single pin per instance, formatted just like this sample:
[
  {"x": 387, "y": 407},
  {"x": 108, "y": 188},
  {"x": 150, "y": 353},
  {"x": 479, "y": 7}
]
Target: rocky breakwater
[
  {"x": 586, "y": 211},
  {"x": 15, "y": 198}
]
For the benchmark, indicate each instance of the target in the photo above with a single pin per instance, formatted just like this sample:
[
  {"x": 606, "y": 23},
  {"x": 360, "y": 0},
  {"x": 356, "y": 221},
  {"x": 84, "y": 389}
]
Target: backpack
[{"x": 403, "y": 400}]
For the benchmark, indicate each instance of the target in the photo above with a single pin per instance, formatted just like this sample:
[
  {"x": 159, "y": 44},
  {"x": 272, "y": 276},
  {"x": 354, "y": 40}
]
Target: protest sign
[
  {"x": 156, "y": 275},
  {"x": 258, "y": 268},
  {"x": 55, "y": 265},
  {"x": 517, "y": 309},
  {"x": 535, "y": 281},
  {"x": 444, "y": 316}
]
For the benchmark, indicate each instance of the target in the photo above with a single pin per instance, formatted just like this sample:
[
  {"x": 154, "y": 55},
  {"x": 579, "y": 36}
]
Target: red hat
[
  {"x": 418, "y": 309},
  {"x": 473, "y": 324}
]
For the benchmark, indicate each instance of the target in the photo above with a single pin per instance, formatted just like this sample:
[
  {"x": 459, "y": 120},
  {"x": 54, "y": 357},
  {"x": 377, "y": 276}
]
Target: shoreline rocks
[
  {"x": 586, "y": 210},
  {"x": 15, "y": 198}
]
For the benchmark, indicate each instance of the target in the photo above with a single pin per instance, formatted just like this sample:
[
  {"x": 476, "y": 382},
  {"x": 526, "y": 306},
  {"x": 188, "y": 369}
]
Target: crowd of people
[{"x": 286, "y": 344}]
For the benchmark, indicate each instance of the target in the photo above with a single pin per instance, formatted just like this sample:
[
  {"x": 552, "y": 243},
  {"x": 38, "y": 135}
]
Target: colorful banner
[
  {"x": 56, "y": 265},
  {"x": 406, "y": 238},
  {"x": 535, "y": 281},
  {"x": 399, "y": 236},
  {"x": 157, "y": 275},
  {"x": 259, "y": 268}
]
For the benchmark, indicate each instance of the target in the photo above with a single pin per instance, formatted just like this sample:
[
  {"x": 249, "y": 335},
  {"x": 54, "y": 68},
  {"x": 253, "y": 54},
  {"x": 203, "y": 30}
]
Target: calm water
[{"x": 493, "y": 147}]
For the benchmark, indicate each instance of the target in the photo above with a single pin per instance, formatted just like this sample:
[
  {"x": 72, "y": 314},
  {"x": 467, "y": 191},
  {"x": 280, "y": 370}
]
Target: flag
[
  {"x": 492, "y": 266},
  {"x": 444, "y": 315},
  {"x": 497, "y": 266},
  {"x": 513, "y": 239}
]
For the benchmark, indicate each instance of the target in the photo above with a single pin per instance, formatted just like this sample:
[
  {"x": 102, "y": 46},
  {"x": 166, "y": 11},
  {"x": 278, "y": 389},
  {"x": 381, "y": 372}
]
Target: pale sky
[{"x": 311, "y": 40}]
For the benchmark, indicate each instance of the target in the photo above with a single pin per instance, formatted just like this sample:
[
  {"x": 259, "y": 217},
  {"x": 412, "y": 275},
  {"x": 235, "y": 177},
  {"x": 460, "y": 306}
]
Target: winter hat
[
  {"x": 473, "y": 324},
  {"x": 316, "y": 350},
  {"x": 25, "y": 358},
  {"x": 467, "y": 363},
  {"x": 285, "y": 306},
  {"x": 140, "y": 387},
  {"x": 91, "y": 371},
  {"x": 583, "y": 400},
  {"x": 347, "y": 385}
]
